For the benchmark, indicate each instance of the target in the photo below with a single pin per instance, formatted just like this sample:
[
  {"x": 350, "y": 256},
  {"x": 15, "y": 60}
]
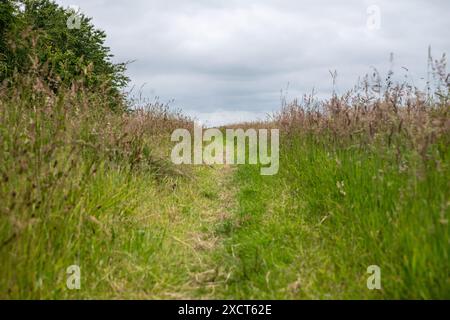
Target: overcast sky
[{"x": 225, "y": 61}]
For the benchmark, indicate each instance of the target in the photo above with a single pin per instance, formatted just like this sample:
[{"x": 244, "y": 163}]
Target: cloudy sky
[{"x": 227, "y": 60}]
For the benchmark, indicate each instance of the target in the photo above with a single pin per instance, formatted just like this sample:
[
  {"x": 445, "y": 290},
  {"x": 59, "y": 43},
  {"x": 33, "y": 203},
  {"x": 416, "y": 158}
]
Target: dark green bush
[{"x": 37, "y": 30}]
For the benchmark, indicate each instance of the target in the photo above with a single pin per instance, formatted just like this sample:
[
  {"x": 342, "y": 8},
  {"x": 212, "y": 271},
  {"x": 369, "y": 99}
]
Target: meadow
[
  {"x": 86, "y": 179},
  {"x": 359, "y": 184}
]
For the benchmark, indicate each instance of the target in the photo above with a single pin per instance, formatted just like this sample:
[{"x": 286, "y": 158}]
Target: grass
[
  {"x": 363, "y": 181},
  {"x": 312, "y": 231},
  {"x": 88, "y": 186},
  {"x": 133, "y": 237}
]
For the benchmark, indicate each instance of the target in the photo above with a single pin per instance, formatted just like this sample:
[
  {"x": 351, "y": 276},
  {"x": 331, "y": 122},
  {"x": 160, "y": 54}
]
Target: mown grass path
[
  {"x": 223, "y": 232},
  {"x": 190, "y": 257}
]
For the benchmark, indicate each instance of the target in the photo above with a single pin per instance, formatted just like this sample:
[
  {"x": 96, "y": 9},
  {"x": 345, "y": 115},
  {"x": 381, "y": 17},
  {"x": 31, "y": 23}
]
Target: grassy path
[
  {"x": 215, "y": 202},
  {"x": 132, "y": 236},
  {"x": 287, "y": 236},
  {"x": 177, "y": 258},
  {"x": 230, "y": 233},
  {"x": 190, "y": 258}
]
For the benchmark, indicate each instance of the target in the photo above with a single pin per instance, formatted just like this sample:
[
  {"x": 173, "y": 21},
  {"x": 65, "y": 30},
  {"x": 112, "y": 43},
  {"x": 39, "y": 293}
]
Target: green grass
[
  {"x": 86, "y": 186},
  {"x": 133, "y": 237},
  {"x": 312, "y": 230},
  {"x": 309, "y": 232},
  {"x": 86, "y": 180},
  {"x": 92, "y": 187}
]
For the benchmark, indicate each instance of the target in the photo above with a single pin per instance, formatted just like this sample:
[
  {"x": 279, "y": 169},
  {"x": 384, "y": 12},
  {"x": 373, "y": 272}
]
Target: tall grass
[
  {"x": 364, "y": 180},
  {"x": 79, "y": 182}
]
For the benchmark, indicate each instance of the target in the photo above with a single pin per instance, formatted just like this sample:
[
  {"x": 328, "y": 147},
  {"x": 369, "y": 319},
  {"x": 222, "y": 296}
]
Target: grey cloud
[{"x": 223, "y": 58}]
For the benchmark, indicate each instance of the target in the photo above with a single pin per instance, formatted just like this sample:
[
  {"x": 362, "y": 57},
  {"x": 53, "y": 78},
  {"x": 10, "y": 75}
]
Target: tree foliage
[{"x": 36, "y": 32}]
